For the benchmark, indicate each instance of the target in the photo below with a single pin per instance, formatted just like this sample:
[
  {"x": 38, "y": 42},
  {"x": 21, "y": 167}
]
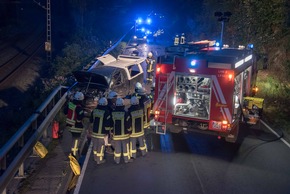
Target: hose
[{"x": 281, "y": 134}]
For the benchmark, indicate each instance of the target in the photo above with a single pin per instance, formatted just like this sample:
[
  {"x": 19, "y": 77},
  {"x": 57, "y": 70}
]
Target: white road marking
[
  {"x": 274, "y": 132},
  {"x": 80, "y": 179}
]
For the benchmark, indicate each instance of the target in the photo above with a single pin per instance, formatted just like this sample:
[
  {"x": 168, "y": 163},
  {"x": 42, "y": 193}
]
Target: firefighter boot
[
  {"x": 109, "y": 150},
  {"x": 102, "y": 161}
]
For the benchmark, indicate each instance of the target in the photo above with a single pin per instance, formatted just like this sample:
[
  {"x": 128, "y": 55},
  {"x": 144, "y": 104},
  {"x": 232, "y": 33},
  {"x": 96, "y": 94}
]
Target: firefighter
[
  {"x": 112, "y": 97},
  {"x": 74, "y": 119},
  {"x": 102, "y": 124},
  {"x": 150, "y": 67},
  {"x": 176, "y": 40},
  {"x": 121, "y": 132},
  {"x": 145, "y": 102},
  {"x": 140, "y": 93},
  {"x": 137, "y": 124},
  {"x": 182, "y": 38}
]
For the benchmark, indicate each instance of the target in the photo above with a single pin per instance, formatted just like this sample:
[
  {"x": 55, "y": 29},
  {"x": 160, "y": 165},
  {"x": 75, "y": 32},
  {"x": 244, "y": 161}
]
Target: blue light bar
[{"x": 193, "y": 63}]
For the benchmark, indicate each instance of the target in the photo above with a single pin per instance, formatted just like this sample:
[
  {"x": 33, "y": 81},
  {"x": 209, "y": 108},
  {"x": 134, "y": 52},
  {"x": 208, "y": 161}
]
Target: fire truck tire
[{"x": 233, "y": 137}]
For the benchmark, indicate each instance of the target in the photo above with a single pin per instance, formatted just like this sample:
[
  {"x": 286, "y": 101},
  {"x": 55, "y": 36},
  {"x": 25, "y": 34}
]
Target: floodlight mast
[
  {"x": 222, "y": 17},
  {"x": 48, "y": 29}
]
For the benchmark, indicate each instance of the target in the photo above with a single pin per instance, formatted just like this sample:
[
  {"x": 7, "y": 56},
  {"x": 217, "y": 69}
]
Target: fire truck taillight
[
  {"x": 157, "y": 113},
  {"x": 230, "y": 77},
  {"x": 255, "y": 89},
  {"x": 224, "y": 125},
  {"x": 158, "y": 69}
]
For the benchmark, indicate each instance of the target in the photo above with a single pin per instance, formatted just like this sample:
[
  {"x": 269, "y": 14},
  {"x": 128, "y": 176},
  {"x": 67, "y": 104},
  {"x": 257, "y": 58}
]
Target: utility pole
[
  {"x": 222, "y": 17},
  {"x": 48, "y": 29},
  {"x": 48, "y": 32}
]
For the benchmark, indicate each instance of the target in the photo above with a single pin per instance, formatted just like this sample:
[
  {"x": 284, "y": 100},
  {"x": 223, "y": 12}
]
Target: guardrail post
[
  {"x": 21, "y": 171},
  {"x": 3, "y": 163}
]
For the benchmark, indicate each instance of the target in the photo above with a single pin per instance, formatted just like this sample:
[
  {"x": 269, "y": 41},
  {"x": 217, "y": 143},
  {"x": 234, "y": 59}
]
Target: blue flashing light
[
  {"x": 193, "y": 63},
  {"x": 217, "y": 44},
  {"x": 149, "y": 21},
  {"x": 251, "y": 46},
  {"x": 139, "y": 21},
  {"x": 143, "y": 29}
]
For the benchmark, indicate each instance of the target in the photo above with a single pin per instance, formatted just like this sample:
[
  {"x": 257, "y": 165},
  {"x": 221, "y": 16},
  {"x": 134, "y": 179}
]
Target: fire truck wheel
[{"x": 233, "y": 136}]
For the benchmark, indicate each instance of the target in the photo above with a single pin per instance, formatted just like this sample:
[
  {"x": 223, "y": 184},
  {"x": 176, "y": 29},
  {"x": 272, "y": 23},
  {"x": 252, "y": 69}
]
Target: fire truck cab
[{"x": 206, "y": 89}]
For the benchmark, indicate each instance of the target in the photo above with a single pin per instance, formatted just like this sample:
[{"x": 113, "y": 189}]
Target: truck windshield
[{"x": 192, "y": 96}]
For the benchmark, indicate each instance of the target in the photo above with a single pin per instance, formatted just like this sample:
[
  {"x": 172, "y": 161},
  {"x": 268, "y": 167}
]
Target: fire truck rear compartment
[{"x": 192, "y": 96}]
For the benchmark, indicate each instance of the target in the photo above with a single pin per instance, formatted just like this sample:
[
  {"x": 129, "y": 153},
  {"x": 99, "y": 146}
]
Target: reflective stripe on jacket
[
  {"x": 101, "y": 120},
  {"x": 137, "y": 115},
  {"x": 121, "y": 126},
  {"x": 71, "y": 114}
]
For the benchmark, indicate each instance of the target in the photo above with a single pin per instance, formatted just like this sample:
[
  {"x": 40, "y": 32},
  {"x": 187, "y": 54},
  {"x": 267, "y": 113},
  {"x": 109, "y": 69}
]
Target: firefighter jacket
[
  {"x": 74, "y": 115},
  {"x": 150, "y": 62},
  {"x": 121, "y": 124},
  {"x": 102, "y": 121},
  {"x": 136, "y": 114},
  {"x": 145, "y": 103}
]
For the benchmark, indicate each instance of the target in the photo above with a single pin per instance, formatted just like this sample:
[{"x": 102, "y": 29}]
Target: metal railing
[{"x": 20, "y": 146}]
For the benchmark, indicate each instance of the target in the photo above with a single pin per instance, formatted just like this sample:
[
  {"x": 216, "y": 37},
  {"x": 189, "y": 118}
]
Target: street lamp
[{"x": 223, "y": 17}]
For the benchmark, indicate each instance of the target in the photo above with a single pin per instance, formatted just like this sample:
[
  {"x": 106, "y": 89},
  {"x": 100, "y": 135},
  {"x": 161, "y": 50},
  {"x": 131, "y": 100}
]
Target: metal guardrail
[{"x": 14, "y": 153}]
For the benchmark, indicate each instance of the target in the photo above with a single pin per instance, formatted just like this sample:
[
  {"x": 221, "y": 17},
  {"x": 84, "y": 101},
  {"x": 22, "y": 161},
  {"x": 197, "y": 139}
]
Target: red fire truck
[{"x": 199, "y": 87}]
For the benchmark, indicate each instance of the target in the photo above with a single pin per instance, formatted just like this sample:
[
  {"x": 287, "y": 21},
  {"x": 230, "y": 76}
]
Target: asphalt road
[{"x": 195, "y": 163}]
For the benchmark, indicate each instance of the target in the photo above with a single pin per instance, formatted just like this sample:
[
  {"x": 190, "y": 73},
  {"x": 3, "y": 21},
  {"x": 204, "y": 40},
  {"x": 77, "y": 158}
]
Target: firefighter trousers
[
  {"x": 142, "y": 146},
  {"x": 122, "y": 146},
  {"x": 75, "y": 144},
  {"x": 98, "y": 149}
]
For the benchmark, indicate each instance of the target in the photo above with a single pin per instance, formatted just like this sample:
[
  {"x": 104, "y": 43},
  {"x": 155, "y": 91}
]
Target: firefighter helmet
[
  {"x": 150, "y": 54},
  {"x": 138, "y": 86},
  {"x": 112, "y": 95},
  {"x": 134, "y": 100},
  {"x": 120, "y": 102},
  {"x": 103, "y": 101},
  {"x": 79, "y": 96}
]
